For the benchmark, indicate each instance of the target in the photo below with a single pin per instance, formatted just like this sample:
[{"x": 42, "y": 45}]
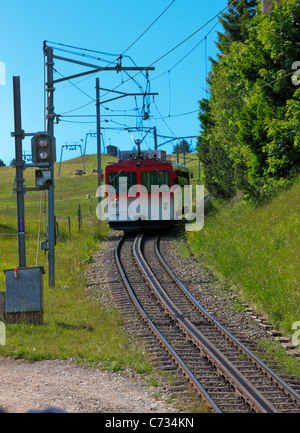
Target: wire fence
[{"x": 68, "y": 223}]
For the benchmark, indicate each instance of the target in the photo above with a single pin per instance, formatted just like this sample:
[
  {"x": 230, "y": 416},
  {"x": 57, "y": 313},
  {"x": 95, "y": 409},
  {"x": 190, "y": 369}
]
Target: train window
[
  {"x": 117, "y": 179},
  {"x": 182, "y": 177},
  {"x": 155, "y": 178}
]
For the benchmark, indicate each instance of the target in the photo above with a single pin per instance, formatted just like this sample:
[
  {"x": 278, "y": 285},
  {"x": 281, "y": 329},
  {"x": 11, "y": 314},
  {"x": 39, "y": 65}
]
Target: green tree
[
  {"x": 182, "y": 147},
  {"x": 235, "y": 23},
  {"x": 251, "y": 120},
  {"x": 2, "y": 163}
]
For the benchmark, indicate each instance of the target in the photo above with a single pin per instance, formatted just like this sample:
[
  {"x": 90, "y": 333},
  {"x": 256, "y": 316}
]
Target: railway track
[{"x": 227, "y": 376}]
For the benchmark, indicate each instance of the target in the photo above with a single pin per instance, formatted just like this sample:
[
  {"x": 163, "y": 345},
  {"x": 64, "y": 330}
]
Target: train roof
[
  {"x": 155, "y": 155},
  {"x": 180, "y": 167},
  {"x": 139, "y": 163},
  {"x": 145, "y": 163}
]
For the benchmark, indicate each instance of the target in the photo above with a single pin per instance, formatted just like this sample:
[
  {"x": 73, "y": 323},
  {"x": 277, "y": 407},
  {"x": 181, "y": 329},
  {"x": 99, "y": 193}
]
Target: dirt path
[{"x": 73, "y": 388}]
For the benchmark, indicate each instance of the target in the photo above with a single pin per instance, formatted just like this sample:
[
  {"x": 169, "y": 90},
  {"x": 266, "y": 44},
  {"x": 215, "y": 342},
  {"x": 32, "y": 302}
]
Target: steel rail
[
  {"x": 283, "y": 385},
  {"x": 161, "y": 338},
  {"x": 242, "y": 385}
]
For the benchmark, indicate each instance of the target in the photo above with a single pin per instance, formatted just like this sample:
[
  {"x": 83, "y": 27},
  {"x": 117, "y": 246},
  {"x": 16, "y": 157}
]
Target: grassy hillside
[
  {"x": 70, "y": 191},
  {"x": 257, "y": 251},
  {"x": 73, "y": 325}
]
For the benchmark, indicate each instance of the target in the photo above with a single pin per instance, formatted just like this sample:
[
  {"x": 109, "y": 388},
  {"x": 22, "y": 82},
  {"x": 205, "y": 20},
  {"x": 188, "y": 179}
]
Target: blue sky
[{"x": 110, "y": 27}]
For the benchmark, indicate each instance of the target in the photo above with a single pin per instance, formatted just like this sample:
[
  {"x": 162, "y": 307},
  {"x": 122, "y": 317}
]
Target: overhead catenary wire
[
  {"x": 109, "y": 62},
  {"x": 74, "y": 85},
  {"x": 95, "y": 115},
  {"x": 186, "y": 55},
  {"x": 193, "y": 34},
  {"x": 83, "y": 49},
  {"x": 161, "y": 117},
  {"x": 127, "y": 49},
  {"x": 105, "y": 53},
  {"x": 108, "y": 91},
  {"x": 153, "y": 63},
  {"x": 163, "y": 56}
]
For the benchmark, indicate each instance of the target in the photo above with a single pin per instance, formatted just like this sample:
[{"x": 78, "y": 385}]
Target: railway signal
[{"x": 43, "y": 149}]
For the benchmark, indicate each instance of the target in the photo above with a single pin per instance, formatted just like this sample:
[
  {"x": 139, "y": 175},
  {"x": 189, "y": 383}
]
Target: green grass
[
  {"x": 274, "y": 350},
  {"x": 257, "y": 251},
  {"x": 74, "y": 326}
]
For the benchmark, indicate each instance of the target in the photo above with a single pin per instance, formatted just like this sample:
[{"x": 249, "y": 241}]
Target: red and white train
[{"x": 140, "y": 191}]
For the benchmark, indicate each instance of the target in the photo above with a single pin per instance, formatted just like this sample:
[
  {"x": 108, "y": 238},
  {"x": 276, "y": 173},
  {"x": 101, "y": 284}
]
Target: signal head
[{"x": 43, "y": 148}]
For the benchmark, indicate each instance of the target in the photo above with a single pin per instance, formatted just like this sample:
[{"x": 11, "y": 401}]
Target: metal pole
[
  {"x": 50, "y": 129},
  {"x": 98, "y": 132},
  {"x": 19, "y": 135},
  {"x": 61, "y": 153},
  {"x": 155, "y": 137},
  {"x": 103, "y": 143},
  {"x": 82, "y": 159}
]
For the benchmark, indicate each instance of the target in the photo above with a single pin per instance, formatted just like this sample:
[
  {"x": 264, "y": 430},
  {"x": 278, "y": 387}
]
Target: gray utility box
[{"x": 24, "y": 289}]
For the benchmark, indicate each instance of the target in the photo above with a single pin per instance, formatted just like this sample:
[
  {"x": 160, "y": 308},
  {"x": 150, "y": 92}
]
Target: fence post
[
  {"x": 79, "y": 217},
  {"x": 92, "y": 215},
  {"x": 57, "y": 230}
]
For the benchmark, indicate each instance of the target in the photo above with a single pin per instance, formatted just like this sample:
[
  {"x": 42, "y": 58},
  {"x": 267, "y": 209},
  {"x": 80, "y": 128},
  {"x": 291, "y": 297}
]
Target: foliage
[
  {"x": 251, "y": 122},
  {"x": 182, "y": 147},
  {"x": 2, "y": 163},
  {"x": 235, "y": 23}
]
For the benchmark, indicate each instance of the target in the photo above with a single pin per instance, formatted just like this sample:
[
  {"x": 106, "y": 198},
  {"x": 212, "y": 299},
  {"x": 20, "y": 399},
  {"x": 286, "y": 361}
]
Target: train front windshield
[
  {"x": 155, "y": 177},
  {"x": 117, "y": 180},
  {"x": 148, "y": 178}
]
